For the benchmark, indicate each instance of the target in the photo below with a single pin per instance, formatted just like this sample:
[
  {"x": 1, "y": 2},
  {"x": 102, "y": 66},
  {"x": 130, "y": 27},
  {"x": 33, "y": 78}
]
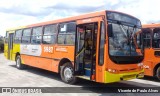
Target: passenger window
[
  {"x": 18, "y": 36},
  {"x": 36, "y": 35},
  {"x": 156, "y": 38},
  {"x": 101, "y": 46},
  {"x": 67, "y": 33},
  {"x": 49, "y": 36},
  {"x": 147, "y": 37},
  {"x": 26, "y": 35}
]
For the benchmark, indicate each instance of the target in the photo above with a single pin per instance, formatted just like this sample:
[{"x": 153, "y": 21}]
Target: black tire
[
  {"x": 158, "y": 73},
  {"x": 19, "y": 64},
  {"x": 67, "y": 73}
]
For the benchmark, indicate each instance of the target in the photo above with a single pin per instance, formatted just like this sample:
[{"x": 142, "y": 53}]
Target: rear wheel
[
  {"x": 67, "y": 73},
  {"x": 19, "y": 65},
  {"x": 158, "y": 73}
]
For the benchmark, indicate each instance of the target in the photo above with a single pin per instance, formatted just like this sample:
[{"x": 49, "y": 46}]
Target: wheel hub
[{"x": 68, "y": 73}]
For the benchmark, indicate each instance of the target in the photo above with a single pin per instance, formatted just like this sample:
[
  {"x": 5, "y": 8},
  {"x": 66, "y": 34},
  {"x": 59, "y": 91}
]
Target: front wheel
[
  {"x": 158, "y": 73},
  {"x": 19, "y": 65},
  {"x": 67, "y": 73}
]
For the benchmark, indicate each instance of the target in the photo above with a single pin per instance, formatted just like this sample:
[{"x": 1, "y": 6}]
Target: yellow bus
[{"x": 100, "y": 46}]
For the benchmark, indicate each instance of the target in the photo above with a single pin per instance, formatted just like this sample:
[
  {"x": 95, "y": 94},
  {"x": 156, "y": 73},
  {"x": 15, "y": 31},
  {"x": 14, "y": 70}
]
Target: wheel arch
[
  {"x": 63, "y": 61},
  {"x": 17, "y": 55}
]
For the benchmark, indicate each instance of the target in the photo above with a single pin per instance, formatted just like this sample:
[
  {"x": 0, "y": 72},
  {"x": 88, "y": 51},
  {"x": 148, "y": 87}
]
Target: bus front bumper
[{"x": 111, "y": 77}]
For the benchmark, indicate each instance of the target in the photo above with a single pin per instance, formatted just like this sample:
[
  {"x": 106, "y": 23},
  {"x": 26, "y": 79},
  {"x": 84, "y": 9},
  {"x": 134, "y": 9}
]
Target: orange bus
[
  {"x": 98, "y": 46},
  {"x": 151, "y": 39}
]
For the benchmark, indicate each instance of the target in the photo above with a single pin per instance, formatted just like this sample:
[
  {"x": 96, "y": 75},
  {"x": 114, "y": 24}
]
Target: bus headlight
[
  {"x": 112, "y": 70},
  {"x": 140, "y": 65}
]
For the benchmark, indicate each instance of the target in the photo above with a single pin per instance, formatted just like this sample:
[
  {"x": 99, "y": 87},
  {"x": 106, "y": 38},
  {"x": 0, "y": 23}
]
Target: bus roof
[
  {"x": 153, "y": 25},
  {"x": 16, "y": 28},
  {"x": 72, "y": 18}
]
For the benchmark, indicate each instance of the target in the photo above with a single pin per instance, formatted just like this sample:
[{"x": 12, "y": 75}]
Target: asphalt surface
[{"x": 10, "y": 76}]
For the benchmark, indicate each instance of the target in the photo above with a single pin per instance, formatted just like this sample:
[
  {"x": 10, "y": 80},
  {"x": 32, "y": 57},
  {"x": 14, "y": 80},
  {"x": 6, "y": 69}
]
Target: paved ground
[{"x": 10, "y": 76}]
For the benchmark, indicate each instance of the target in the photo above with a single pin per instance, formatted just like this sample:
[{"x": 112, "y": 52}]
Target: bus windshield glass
[{"x": 125, "y": 40}]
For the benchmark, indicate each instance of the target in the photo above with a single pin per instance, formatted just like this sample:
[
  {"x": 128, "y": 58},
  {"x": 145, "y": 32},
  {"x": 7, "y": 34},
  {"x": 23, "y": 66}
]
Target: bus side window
[
  {"x": 101, "y": 44},
  {"x": 156, "y": 38},
  {"x": 26, "y": 35},
  {"x": 18, "y": 36},
  {"x": 6, "y": 38},
  {"x": 147, "y": 38},
  {"x": 49, "y": 35},
  {"x": 36, "y": 35},
  {"x": 67, "y": 33}
]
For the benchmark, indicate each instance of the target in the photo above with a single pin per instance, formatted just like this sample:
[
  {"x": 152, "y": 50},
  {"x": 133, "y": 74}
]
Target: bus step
[{"x": 84, "y": 77}]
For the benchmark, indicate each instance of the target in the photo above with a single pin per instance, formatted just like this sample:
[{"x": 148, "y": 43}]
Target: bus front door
[
  {"x": 10, "y": 45},
  {"x": 86, "y": 38},
  {"x": 90, "y": 49}
]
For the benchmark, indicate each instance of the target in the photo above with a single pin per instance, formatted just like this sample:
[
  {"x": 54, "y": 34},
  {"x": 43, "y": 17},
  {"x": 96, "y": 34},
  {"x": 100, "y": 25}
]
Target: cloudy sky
[{"x": 23, "y": 12}]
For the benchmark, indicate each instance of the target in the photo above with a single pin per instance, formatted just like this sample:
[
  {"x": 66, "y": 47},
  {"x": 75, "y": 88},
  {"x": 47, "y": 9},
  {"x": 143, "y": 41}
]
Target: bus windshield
[
  {"x": 122, "y": 43},
  {"x": 125, "y": 40}
]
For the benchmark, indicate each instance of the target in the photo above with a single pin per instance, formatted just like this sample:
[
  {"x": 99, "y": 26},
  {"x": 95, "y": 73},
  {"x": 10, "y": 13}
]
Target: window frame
[
  {"x": 18, "y": 36},
  {"x": 56, "y": 34},
  {"x": 100, "y": 56},
  {"x": 66, "y": 33},
  {"x": 36, "y": 35},
  {"x": 150, "y": 40},
  {"x": 153, "y": 39},
  {"x": 26, "y": 36}
]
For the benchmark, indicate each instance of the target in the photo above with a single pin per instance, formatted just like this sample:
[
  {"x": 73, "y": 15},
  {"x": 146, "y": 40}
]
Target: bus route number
[{"x": 48, "y": 49}]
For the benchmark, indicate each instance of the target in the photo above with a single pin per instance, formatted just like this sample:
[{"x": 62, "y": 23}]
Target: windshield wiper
[
  {"x": 126, "y": 33},
  {"x": 123, "y": 30},
  {"x": 129, "y": 35},
  {"x": 131, "y": 38}
]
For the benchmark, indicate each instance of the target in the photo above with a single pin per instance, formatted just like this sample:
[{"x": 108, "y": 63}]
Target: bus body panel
[
  {"x": 6, "y": 50},
  {"x": 110, "y": 77},
  {"x": 149, "y": 62},
  {"x": 46, "y": 56}
]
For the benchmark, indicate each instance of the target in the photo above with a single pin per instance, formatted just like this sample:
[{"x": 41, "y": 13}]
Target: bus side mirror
[{"x": 110, "y": 33}]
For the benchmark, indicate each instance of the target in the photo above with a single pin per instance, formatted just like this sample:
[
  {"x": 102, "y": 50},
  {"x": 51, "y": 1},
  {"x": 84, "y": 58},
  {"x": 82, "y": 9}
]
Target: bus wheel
[
  {"x": 67, "y": 72},
  {"x": 19, "y": 65},
  {"x": 158, "y": 73}
]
